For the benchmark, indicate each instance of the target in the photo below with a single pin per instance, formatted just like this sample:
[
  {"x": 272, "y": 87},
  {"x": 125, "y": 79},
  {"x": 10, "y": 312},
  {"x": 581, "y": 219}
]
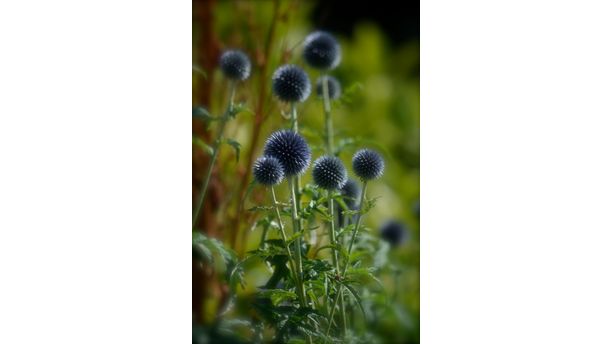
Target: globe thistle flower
[
  {"x": 268, "y": 171},
  {"x": 368, "y": 164},
  {"x": 290, "y": 149},
  {"x": 350, "y": 192},
  {"x": 290, "y": 84},
  {"x": 333, "y": 87},
  {"x": 394, "y": 232},
  {"x": 235, "y": 65},
  {"x": 321, "y": 50},
  {"x": 329, "y": 173}
]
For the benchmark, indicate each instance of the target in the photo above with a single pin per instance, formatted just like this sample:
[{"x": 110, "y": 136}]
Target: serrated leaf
[
  {"x": 216, "y": 247},
  {"x": 236, "y": 145},
  {"x": 279, "y": 295}
]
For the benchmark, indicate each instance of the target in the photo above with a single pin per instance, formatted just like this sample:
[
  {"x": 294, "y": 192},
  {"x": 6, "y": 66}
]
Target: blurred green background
[{"x": 379, "y": 73}]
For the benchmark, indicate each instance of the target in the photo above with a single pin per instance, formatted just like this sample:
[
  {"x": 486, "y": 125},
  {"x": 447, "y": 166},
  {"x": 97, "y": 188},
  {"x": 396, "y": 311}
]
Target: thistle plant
[
  {"x": 312, "y": 288},
  {"x": 293, "y": 154},
  {"x": 291, "y": 85},
  {"x": 236, "y": 67},
  {"x": 367, "y": 165},
  {"x": 329, "y": 173},
  {"x": 322, "y": 51},
  {"x": 269, "y": 171}
]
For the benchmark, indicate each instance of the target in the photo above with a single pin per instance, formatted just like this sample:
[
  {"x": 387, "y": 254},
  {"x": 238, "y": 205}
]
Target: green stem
[
  {"x": 294, "y": 120},
  {"x": 297, "y": 228},
  {"x": 329, "y": 130},
  {"x": 292, "y": 265},
  {"x": 334, "y": 241},
  {"x": 355, "y": 230},
  {"x": 213, "y": 158}
]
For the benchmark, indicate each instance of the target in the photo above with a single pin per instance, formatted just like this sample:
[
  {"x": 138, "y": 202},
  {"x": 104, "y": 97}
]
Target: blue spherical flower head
[
  {"x": 291, "y": 84},
  {"x": 394, "y": 232},
  {"x": 351, "y": 192},
  {"x": 290, "y": 149},
  {"x": 321, "y": 50},
  {"x": 235, "y": 65},
  {"x": 368, "y": 164},
  {"x": 333, "y": 87},
  {"x": 268, "y": 171},
  {"x": 329, "y": 173}
]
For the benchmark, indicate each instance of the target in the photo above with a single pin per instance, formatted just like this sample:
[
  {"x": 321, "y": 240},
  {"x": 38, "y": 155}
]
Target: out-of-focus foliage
[{"x": 379, "y": 109}]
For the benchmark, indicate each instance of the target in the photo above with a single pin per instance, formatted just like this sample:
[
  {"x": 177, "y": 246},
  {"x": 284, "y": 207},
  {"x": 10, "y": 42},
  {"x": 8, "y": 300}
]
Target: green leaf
[
  {"x": 239, "y": 108},
  {"x": 202, "y": 243},
  {"x": 357, "y": 298},
  {"x": 236, "y": 145},
  {"x": 279, "y": 295},
  {"x": 201, "y": 113},
  {"x": 350, "y": 93},
  {"x": 200, "y": 143}
]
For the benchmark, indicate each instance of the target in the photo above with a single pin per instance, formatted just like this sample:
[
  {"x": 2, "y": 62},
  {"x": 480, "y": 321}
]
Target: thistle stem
[
  {"x": 296, "y": 185},
  {"x": 334, "y": 241},
  {"x": 297, "y": 228},
  {"x": 294, "y": 121},
  {"x": 215, "y": 153},
  {"x": 329, "y": 130},
  {"x": 345, "y": 268},
  {"x": 284, "y": 236}
]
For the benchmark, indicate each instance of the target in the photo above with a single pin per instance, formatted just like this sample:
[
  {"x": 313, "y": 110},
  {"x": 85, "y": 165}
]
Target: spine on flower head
[
  {"x": 291, "y": 84},
  {"x": 268, "y": 171},
  {"x": 368, "y": 164},
  {"x": 329, "y": 173},
  {"x": 290, "y": 149}
]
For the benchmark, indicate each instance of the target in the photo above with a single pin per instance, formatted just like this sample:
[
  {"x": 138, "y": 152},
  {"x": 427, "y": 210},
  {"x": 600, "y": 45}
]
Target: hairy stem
[
  {"x": 345, "y": 268},
  {"x": 213, "y": 158}
]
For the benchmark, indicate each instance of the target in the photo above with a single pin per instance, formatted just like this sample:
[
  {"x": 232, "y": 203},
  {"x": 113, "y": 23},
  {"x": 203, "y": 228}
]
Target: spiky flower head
[
  {"x": 333, "y": 87},
  {"x": 329, "y": 173},
  {"x": 268, "y": 171},
  {"x": 351, "y": 192},
  {"x": 235, "y": 65},
  {"x": 321, "y": 50},
  {"x": 368, "y": 164},
  {"x": 290, "y": 149},
  {"x": 291, "y": 84},
  {"x": 394, "y": 232}
]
